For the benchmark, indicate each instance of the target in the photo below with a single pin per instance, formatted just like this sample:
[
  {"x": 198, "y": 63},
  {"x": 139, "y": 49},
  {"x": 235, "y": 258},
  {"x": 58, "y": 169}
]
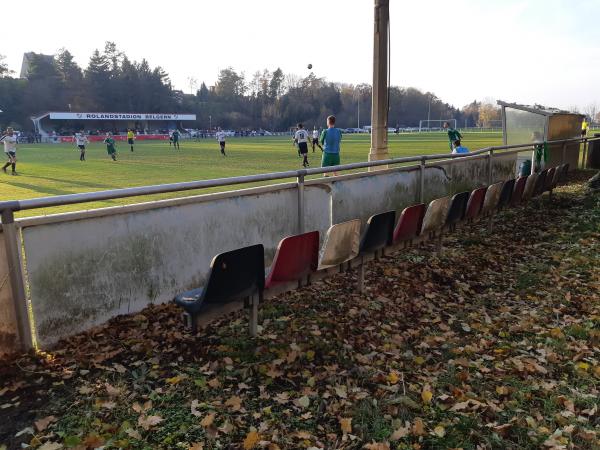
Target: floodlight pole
[{"x": 379, "y": 109}]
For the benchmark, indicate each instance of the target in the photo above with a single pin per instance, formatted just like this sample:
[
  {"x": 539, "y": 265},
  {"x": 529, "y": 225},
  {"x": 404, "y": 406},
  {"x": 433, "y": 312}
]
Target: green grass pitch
[{"x": 54, "y": 169}]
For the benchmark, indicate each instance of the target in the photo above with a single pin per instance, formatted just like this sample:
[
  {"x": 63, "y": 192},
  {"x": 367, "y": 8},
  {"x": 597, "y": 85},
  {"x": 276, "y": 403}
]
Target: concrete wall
[
  {"x": 84, "y": 268},
  {"x": 361, "y": 197},
  {"x": 83, "y": 272},
  {"x": 8, "y": 326}
]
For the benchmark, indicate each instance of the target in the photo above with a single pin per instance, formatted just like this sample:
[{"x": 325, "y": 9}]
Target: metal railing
[{"x": 8, "y": 208}]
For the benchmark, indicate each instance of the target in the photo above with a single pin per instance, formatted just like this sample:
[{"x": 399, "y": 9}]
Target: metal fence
[{"x": 11, "y": 230}]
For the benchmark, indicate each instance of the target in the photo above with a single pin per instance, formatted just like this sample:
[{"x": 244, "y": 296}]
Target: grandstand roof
[{"x": 538, "y": 109}]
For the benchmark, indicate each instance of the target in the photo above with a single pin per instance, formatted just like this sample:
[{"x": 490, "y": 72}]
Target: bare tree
[
  {"x": 591, "y": 110},
  {"x": 193, "y": 83}
]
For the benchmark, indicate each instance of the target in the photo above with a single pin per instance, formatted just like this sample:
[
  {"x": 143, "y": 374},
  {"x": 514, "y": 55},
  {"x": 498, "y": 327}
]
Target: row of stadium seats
[{"x": 240, "y": 274}]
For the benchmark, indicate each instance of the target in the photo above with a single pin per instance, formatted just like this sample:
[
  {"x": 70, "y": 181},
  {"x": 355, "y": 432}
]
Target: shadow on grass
[{"x": 73, "y": 182}]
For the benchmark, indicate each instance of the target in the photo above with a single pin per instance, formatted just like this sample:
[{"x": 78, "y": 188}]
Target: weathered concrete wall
[
  {"x": 8, "y": 327},
  {"x": 83, "y": 272},
  {"x": 360, "y": 198}
]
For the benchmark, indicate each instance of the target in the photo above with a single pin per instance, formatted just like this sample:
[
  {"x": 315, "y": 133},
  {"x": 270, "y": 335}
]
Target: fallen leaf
[
  {"x": 147, "y": 422},
  {"x": 142, "y": 408},
  {"x": 460, "y": 406},
  {"x": 119, "y": 368},
  {"x": 502, "y": 390},
  {"x": 303, "y": 401},
  {"x": 235, "y": 403},
  {"x": 85, "y": 390},
  {"x": 42, "y": 424},
  {"x": 208, "y": 420},
  {"x": 197, "y": 446},
  {"x": 195, "y": 412},
  {"x": 400, "y": 433},
  {"x": 439, "y": 431},
  {"x": 93, "y": 441},
  {"x": 226, "y": 428},
  {"x": 426, "y": 394},
  {"x": 393, "y": 377},
  {"x": 378, "y": 446},
  {"x": 346, "y": 424},
  {"x": 251, "y": 440},
  {"x": 418, "y": 428},
  {"x": 112, "y": 391},
  {"x": 50, "y": 446},
  {"x": 133, "y": 433},
  {"x": 108, "y": 404},
  {"x": 214, "y": 383},
  {"x": 341, "y": 391},
  {"x": 176, "y": 379},
  {"x": 27, "y": 430}
]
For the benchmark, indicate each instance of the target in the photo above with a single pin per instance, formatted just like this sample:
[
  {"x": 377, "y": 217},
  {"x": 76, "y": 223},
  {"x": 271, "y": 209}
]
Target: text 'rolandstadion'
[{"x": 119, "y": 116}]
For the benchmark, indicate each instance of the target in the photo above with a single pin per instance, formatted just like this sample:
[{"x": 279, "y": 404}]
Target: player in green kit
[
  {"x": 453, "y": 135},
  {"x": 110, "y": 146},
  {"x": 175, "y": 137}
]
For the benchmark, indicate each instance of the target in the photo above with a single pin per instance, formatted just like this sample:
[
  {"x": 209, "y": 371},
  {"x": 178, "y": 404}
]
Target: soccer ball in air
[{"x": 309, "y": 66}]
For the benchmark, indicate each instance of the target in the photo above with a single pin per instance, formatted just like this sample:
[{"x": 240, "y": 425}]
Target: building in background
[{"x": 27, "y": 61}]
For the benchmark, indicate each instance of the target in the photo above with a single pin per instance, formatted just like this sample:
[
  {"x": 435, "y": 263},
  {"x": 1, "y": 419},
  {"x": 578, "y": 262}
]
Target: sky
[{"x": 528, "y": 51}]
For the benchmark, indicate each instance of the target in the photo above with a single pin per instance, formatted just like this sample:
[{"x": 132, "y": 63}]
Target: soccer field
[{"x": 48, "y": 169}]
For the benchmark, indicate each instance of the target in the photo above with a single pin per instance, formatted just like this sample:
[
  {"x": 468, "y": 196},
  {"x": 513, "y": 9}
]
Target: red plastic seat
[
  {"x": 295, "y": 258},
  {"x": 517, "y": 195},
  {"x": 475, "y": 203},
  {"x": 410, "y": 222}
]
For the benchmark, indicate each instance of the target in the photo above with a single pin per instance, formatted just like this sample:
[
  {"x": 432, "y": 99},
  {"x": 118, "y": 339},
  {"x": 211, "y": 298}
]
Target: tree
[
  {"x": 4, "y": 71},
  {"x": 230, "y": 84},
  {"x": 470, "y": 113},
  {"x": 114, "y": 56},
  {"x": 203, "y": 93},
  {"x": 276, "y": 84},
  {"x": 591, "y": 111},
  {"x": 45, "y": 88},
  {"x": 68, "y": 69},
  {"x": 97, "y": 80},
  {"x": 487, "y": 113}
]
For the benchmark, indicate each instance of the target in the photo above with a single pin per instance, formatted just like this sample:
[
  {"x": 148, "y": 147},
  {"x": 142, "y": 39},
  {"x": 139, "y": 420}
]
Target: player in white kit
[
  {"x": 315, "y": 139},
  {"x": 301, "y": 137},
  {"x": 9, "y": 139},
  {"x": 220, "y": 135},
  {"x": 80, "y": 141}
]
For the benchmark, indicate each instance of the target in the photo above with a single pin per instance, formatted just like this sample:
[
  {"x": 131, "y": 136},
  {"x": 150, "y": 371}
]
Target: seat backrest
[
  {"x": 236, "y": 274},
  {"x": 492, "y": 196},
  {"x": 506, "y": 193},
  {"x": 556, "y": 178},
  {"x": 517, "y": 194},
  {"x": 458, "y": 208},
  {"x": 548, "y": 184},
  {"x": 475, "y": 203},
  {"x": 410, "y": 222},
  {"x": 540, "y": 183},
  {"x": 435, "y": 216},
  {"x": 379, "y": 232},
  {"x": 530, "y": 186},
  {"x": 295, "y": 258},
  {"x": 564, "y": 172},
  {"x": 341, "y": 244}
]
